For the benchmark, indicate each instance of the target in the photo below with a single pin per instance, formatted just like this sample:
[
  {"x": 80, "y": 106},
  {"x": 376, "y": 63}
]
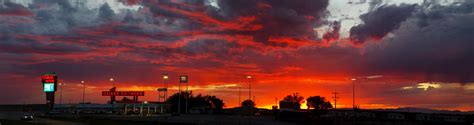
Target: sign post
[
  {"x": 184, "y": 79},
  {"x": 162, "y": 94},
  {"x": 50, "y": 83}
]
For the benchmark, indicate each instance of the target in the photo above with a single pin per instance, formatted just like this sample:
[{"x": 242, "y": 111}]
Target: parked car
[{"x": 27, "y": 117}]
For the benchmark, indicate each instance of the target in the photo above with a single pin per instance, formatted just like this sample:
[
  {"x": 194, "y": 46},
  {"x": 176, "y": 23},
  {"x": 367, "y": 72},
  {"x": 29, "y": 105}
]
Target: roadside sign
[{"x": 183, "y": 79}]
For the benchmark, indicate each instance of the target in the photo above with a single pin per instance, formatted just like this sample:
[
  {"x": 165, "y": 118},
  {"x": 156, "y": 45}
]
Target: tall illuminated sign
[{"x": 50, "y": 82}]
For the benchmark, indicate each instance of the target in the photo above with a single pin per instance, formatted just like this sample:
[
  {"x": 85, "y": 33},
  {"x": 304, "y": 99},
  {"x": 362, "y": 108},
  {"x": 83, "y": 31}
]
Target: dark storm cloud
[
  {"x": 26, "y": 46},
  {"x": 269, "y": 22},
  {"x": 166, "y": 11},
  {"x": 379, "y": 22},
  {"x": 12, "y": 9},
  {"x": 50, "y": 17},
  {"x": 436, "y": 43},
  {"x": 106, "y": 13},
  {"x": 282, "y": 18}
]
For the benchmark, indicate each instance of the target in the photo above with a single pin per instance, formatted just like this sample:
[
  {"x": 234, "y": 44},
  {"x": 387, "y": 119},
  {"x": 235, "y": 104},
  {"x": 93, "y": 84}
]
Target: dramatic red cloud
[{"x": 241, "y": 24}]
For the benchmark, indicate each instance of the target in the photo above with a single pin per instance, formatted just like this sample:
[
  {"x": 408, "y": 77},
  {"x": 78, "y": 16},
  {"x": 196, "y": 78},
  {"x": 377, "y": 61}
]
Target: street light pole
[
  {"x": 83, "y": 91},
  {"x": 61, "y": 93},
  {"x": 112, "y": 100},
  {"x": 353, "y": 93},
  {"x": 251, "y": 110},
  {"x": 250, "y": 86},
  {"x": 165, "y": 77}
]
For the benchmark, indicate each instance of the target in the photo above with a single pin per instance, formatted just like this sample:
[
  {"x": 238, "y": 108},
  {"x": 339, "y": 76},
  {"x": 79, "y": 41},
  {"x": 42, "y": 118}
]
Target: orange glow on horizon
[{"x": 262, "y": 88}]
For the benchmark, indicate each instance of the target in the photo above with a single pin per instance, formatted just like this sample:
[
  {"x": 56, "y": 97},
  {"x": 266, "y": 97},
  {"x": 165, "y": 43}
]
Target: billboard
[
  {"x": 48, "y": 87},
  {"x": 123, "y": 93}
]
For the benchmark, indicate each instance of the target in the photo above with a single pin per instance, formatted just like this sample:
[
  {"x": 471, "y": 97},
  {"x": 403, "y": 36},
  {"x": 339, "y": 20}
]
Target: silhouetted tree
[
  {"x": 174, "y": 99},
  {"x": 216, "y": 103},
  {"x": 208, "y": 102},
  {"x": 295, "y": 100},
  {"x": 319, "y": 104},
  {"x": 248, "y": 103}
]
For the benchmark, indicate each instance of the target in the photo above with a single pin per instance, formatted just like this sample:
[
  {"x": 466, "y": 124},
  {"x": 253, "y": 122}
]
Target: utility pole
[
  {"x": 276, "y": 101},
  {"x": 335, "y": 99}
]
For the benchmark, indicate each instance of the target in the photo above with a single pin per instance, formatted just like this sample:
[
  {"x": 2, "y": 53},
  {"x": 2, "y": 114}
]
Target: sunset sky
[{"x": 403, "y": 53}]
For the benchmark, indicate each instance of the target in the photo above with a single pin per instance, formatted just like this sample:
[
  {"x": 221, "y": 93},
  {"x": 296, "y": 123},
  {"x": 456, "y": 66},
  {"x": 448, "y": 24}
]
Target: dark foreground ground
[
  {"x": 11, "y": 115},
  {"x": 13, "y": 118}
]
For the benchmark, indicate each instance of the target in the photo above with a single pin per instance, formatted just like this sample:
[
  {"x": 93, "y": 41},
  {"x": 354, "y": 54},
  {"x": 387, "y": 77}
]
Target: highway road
[
  {"x": 16, "y": 118},
  {"x": 139, "y": 120}
]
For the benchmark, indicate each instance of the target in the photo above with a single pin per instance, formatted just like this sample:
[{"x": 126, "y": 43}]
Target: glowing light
[
  {"x": 304, "y": 105},
  {"x": 407, "y": 87},
  {"x": 111, "y": 79},
  {"x": 373, "y": 77},
  {"x": 249, "y": 77},
  {"x": 469, "y": 87},
  {"x": 165, "y": 76},
  {"x": 425, "y": 86},
  {"x": 48, "y": 87}
]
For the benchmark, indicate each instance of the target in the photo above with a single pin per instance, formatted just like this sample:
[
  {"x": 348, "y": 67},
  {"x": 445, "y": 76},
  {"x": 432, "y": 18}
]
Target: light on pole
[
  {"x": 113, "y": 82},
  {"x": 165, "y": 78},
  {"x": 250, "y": 86},
  {"x": 83, "y": 91},
  {"x": 353, "y": 93},
  {"x": 183, "y": 79},
  {"x": 61, "y": 92}
]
